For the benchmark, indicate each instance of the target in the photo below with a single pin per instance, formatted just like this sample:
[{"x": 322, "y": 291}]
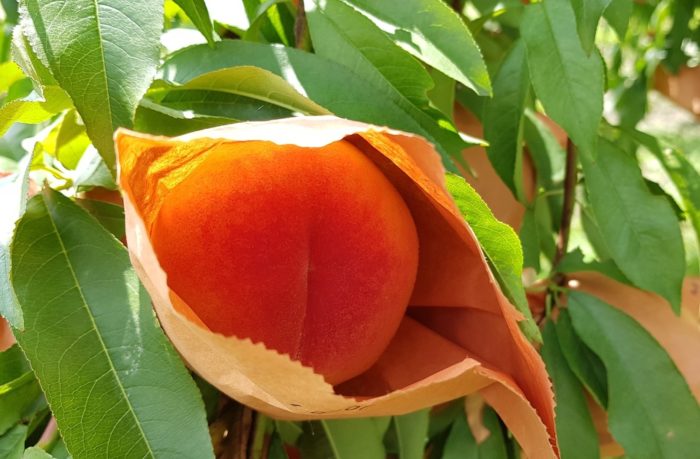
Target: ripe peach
[{"x": 311, "y": 251}]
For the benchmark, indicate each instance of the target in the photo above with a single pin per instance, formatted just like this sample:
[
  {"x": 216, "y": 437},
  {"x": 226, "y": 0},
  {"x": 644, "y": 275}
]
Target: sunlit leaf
[
  {"x": 113, "y": 382},
  {"x": 102, "y": 54}
]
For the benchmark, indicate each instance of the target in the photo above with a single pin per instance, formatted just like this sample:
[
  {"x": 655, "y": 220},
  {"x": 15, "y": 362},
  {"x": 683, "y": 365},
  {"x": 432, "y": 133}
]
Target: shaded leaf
[
  {"x": 18, "y": 398},
  {"x": 617, "y": 14},
  {"x": 651, "y": 411},
  {"x": 344, "y": 35},
  {"x": 198, "y": 13},
  {"x": 503, "y": 118},
  {"x": 640, "y": 229},
  {"x": 588, "y": 13},
  {"x": 431, "y": 31},
  {"x": 111, "y": 216},
  {"x": 412, "y": 433},
  {"x": 573, "y": 262},
  {"x": 330, "y": 85},
  {"x": 103, "y": 55},
  {"x": 567, "y": 81},
  {"x": 110, "y": 364},
  {"x": 575, "y": 431},
  {"x": 684, "y": 175},
  {"x": 12, "y": 442},
  {"x": 254, "y": 83},
  {"x": 14, "y": 194},
  {"x": 460, "y": 443},
  {"x": 501, "y": 246},
  {"x": 36, "y": 453},
  {"x": 352, "y": 438}
]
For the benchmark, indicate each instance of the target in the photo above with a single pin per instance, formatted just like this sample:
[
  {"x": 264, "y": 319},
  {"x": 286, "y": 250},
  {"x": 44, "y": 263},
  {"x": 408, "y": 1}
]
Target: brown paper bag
[{"x": 460, "y": 334}]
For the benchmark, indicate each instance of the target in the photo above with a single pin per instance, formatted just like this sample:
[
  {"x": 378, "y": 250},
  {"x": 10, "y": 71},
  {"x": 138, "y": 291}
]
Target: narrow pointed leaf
[
  {"x": 583, "y": 362},
  {"x": 588, "y": 13},
  {"x": 342, "y": 34},
  {"x": 640, "y": 229},
  {"x": 568, "y": 82},
  {"x": 327, "y": 83},
  {"x": 435, "y": 34},
  {"x": 617, "y": 14},
  {"x": 575, "y": 431},
  {"x": 12, "y": 442},
  {"x": 198, "y": 13},
  {"x": 352, "y": 438},
  {"x": 114, "y": 383},
  {"x": 254, "y": 83},
  {"x": 103, "y": 54},
  {"x": 412, "y": 433},
  {"x": 501, "y": 246},
  {"x": 33, "y": 109},
  {"x": 651, "y": 411},
  {"x": 503, "y": 116}
]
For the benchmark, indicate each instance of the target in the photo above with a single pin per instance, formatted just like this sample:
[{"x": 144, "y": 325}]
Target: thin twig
[
  {"x": 301, "y": 27},
  {"x": 570, "y": 180}
]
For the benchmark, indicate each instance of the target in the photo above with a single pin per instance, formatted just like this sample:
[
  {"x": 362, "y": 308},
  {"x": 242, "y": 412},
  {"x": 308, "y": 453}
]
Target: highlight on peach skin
[
  {"x": 322, "y": 262},
  {"x": 311, "y": 251}
]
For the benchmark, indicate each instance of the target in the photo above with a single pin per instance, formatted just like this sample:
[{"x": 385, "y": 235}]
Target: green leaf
[
  {"x": 588, "y": 13},
  {"x": 13, "y": 364},
  {"x": 289, "y": 431},
  {"x": 412, "y": 433},
  {"x": 18, "y": 398},
  {"x": 33, "y": 109},
  {"x": 651, "y": 411},
  {"x": 12, "y": 442},
  {"x": 442, "y": 95},
  {"x": 113, "y": 382},
  {"x": 29, "y": 62},
  {"x": 617, "y": 14},
  {"x": 330, "y": 85},
  {"x": 36, "y": 453},
  {"x": 255, "y": 83},
  {"x": 111, "y": 216},
  {"x": 431, "y": 31},
  {"x": 573, "y": 262},
  {"x": 92, "y": 171},
  {"x": 587, "y": 367},
  {"x": 13, "y": 194},
  {"x": 493, "y": 447},
  {"x": 344, "y": 35},
  {"x": 640, "y": 229},
  {"x": 211, "y": 106},
  {"x": 537, "y": 234},
  {"x": 501, "y": 246},
  {"x": 575, "y": 431},
  {"x": 460, "y": 443},
  {"x": 684, "y": 175},
  {"x": 154, "y": 118},
  {"x": 103, "y": 55},
  {"x": 503, "y": 117},
  {"x": 198, "y": 13},
  {"x": 353, "y": 438},
  {"x": 567, "y": 81}
]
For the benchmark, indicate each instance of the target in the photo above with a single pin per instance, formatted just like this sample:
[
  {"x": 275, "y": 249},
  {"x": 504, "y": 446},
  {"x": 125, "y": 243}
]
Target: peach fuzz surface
[{"x": 311, "y": 251}]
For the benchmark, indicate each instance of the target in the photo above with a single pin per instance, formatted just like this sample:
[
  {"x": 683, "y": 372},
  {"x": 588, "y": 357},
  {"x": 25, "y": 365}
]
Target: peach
[{"x": 311, "y": 251}]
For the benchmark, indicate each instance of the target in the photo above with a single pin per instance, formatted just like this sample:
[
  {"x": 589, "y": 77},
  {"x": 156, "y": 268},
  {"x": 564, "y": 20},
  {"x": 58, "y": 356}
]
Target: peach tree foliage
[{"x": 91, "y": 357}]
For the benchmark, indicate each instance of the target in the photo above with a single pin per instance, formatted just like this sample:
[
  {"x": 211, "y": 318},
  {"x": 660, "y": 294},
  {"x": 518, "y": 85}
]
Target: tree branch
[{"x": 570, "y": 181}]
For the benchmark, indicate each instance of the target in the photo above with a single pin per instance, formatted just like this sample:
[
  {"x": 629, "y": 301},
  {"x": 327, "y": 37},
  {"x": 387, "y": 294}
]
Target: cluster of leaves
[{"x": 91, "y": 350}]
